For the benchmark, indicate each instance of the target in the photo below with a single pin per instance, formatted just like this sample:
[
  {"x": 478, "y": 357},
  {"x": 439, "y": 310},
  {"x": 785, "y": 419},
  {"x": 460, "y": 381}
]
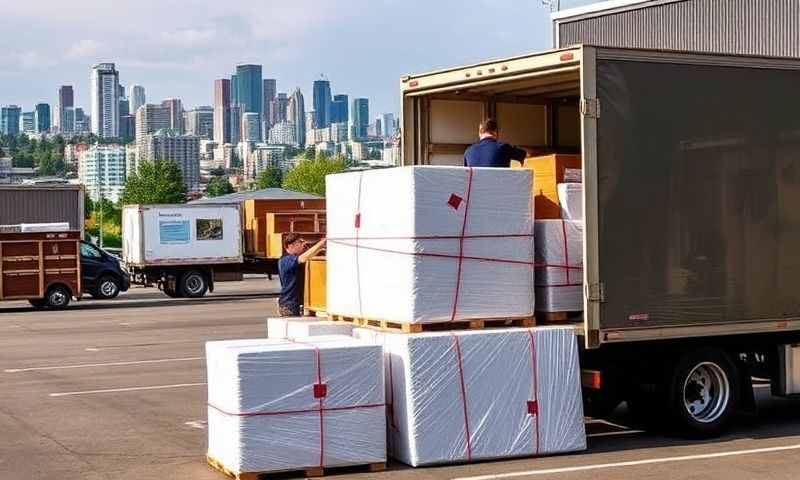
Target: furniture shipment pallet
[
  {"x": 390, "y": 326},
  {"x": 309, "y": 472}
]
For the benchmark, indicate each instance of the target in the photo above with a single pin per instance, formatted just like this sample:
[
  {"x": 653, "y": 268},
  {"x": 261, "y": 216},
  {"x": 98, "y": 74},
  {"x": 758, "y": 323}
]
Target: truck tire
[
  {"x": 193, "y": 284},
  {"x": 57, "y": 297},
  {"x": 170, "y": 292},
  {"x": 703, "y": 393},
  {"x": 107, "y": 288}
]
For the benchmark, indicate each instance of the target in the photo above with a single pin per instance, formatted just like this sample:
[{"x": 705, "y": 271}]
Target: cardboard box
[{"x": 548, "y": 172}]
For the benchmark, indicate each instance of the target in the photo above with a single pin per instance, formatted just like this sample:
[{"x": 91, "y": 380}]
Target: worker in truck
[
  {"x": 489, "y": 152},
  {"x": 291, "y": 271}
]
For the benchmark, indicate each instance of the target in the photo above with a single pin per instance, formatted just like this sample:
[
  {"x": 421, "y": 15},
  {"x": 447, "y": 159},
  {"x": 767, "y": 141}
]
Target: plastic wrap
[
  {"x": 570, "y": 197},
  {"x": 280, "y": 405},
  {"x": 430, "y": 244},
  {"x": 559, "y": 271},
  {"x": 300, "y": 327},
  {"x": 481, "y": 394}
]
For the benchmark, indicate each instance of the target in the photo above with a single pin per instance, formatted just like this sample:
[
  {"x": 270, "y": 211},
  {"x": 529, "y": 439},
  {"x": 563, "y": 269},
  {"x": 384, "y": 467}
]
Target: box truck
[{"x": 691, "y": 174}]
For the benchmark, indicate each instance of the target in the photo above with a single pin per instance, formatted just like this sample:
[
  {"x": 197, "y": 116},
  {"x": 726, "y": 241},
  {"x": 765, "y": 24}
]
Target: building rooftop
[{"x": 265, "y": 194}]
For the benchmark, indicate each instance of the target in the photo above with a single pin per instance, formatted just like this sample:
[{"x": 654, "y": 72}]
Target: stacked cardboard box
[
  {"x": 481, "y": 394},
  {"x": 279, "y": 405}
]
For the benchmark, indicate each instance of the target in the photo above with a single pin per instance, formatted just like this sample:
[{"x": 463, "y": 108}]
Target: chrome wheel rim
[
  {"x": 706, "y": 392},
  {"x": 108, "y": 288},
  {"x": 58, "y": 298},
  {"x": 194, "y": 284}
]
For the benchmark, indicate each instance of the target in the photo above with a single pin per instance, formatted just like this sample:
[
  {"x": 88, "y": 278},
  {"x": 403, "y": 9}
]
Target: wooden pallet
[
  {"x": 308, "y": 472},
  {"x": 390, "y": 326},
  {"x": 557, "y": 317}
]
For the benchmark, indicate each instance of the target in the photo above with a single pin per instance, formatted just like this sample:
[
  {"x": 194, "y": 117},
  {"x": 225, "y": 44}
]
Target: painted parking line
[
  {"x": 633, "y": 463},
  {"x": 93, "y": 365},
  {"x": 126, "y": 389}
]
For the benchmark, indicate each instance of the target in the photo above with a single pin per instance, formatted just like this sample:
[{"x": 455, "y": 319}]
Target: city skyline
[{"x": 183, "y": 60}]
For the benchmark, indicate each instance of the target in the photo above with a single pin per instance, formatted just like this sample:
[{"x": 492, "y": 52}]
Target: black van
[{"x": 101, "y": 273}]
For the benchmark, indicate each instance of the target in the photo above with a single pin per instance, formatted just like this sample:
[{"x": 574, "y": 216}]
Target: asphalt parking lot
[{"x": 116, "y": 390}]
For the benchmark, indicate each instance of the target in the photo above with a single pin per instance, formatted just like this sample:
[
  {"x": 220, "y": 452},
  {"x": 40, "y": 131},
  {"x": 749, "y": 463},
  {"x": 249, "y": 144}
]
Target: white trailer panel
[{"x": 181, "y": 234}]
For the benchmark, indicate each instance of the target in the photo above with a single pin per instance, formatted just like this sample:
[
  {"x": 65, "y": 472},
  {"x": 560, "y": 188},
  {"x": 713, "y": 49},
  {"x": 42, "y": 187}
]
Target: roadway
[{"x": 116, "y": 390}]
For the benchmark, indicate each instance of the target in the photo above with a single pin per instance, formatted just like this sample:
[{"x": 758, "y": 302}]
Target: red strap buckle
[
  {"x": 358, "y": 220},
  {"x": 320, "y": 390},
  {"x": 455, "y": 201},
  {"x": 533, "y": 407}
]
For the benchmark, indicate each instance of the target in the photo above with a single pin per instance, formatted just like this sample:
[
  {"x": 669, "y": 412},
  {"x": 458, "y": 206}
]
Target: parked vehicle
[
  {"x": 42, "y": 267},
  {"x": 102, "y": 274},
  {"x": 690, "y": 176}
]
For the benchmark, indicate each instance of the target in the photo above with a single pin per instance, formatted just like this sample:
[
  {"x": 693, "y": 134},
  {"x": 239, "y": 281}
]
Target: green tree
[
  {"x": 88, "y": 206},
  {"x": 218, "y": 186},
  {"x": 309, "y": 175},
  {"x": 270, "y": 177},
  {"x": 155, "y": 182},
  {"x": 217, "y": 172}
]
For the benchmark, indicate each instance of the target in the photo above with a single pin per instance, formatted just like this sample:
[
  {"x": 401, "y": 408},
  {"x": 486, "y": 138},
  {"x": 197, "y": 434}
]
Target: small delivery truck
[{"x": 691, "y": 180}]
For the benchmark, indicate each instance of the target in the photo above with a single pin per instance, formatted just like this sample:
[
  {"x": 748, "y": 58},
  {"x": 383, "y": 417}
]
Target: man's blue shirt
[
  {"x": 491, "y": 153},
  {"x": 291, "y": 273}
]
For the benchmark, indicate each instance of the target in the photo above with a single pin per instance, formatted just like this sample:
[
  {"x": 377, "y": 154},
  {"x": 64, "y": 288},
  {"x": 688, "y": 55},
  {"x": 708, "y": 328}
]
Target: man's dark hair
[
  {"x": 489, "y": 126},
  {"x": 290, "y": 238}
]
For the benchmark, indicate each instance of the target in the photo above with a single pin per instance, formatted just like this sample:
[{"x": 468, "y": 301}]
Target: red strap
[
  {"x": 461, "y": 243},
  {"x": 320, "y": 391},
  {"x": 533, "y": 405},
  {"x": 566, "y": 248},
  {"x": 463, "y": 396}
]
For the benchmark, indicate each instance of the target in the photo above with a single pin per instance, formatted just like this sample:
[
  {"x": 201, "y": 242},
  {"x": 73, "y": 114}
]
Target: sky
[{"x": 176, "y": 48}]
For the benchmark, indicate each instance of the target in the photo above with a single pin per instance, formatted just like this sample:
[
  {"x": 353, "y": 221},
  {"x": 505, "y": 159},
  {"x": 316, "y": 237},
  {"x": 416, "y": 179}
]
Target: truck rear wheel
[
  {"x": 193, "y": 284},
  {"x": 703, "y": 393},
  {"x": 57, "y": 297}
]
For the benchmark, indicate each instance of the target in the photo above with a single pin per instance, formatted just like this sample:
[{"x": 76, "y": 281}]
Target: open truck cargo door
[{"x": 544, "y": 102}]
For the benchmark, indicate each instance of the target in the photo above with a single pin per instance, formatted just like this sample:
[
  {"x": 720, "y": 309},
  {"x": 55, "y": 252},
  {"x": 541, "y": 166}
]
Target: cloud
[
  {"x": 189, "y": 37},
  {"x": 83, "y": 49}
]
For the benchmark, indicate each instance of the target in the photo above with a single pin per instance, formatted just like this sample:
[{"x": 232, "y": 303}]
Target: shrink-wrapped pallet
[
  {"x": 481, "y": 394},
  {"x": 281, "y": 405},
  {"x": 299, "y": 327},
  {"x": 430, "y": 244},
  {"x": 570, "y": 197},
  {"x": 559, "y": 270}
]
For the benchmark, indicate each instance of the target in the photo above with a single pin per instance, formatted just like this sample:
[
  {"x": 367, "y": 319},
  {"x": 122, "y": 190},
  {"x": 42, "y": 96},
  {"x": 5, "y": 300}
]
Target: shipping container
[
  {"x": 691, "y": 177},
  {"x": 42, "y": 204}
]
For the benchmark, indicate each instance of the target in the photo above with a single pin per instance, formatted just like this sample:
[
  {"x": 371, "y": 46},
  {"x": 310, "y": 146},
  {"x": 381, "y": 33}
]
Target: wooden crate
[
  {"x": 548, "y": 172},
  {"x": 308, "y": 472},
  {"x": 309, "y": 224},
  {"x": 401, "y": 327},
  {"x": 254, "y": 219},
  {"x": 31, "y": 262},
  {"x": 315, "y": 286}
]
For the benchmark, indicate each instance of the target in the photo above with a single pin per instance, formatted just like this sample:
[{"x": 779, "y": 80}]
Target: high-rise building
[
  {"x": 70, "y": 123},
  {"x": 249, "y": 93},
  {"x": 105, "y": 100},
  {"x": 27, "y": 123},
  {"x": 359, "y": 118},
  {"x": 66, "y": 99},
  {"x": 175, "y": 108},
  {"x": 9, "y": 119},
  {"x": 124, "y": 107},
  {"x": 222, "y": 113},
  {"x": 236, "y": 123},
  {"x": 234, "y": 89},
  {"x": 181, "y": 149},
  {"x": 251, "y": 127},
  {"x": 378, "y": 126},
  {"x": 340, "y": 111},
  {"x": 277, "y": 109},
  {"x": 150, "y": 119},
  {"x": 127, "y": 126},
  {"x": 296, "y": 115},
  {"x": 136, "y": 97},
  {"x": 42, "y": 117},
  {"x": 200, "y": 122},
  {"x": 102, "y": 170},
  {"x": 389, "y": 129},
  {"x": 322, "y": 103},
  {"x": 270, "y": 91},
  {"x": 81, "y": 123},
  {"x": 282, "y": 133}
]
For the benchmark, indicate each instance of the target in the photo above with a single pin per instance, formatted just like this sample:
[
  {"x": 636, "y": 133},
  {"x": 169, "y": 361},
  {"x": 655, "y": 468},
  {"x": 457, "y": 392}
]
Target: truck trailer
[{"x": 691, "y": 180}]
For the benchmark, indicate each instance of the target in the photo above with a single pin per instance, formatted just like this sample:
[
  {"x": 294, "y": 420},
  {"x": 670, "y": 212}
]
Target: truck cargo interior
[{"x": 539, "y": 113}]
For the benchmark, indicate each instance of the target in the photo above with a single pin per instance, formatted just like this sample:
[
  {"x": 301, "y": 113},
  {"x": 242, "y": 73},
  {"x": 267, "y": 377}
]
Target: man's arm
[
  {"x": 516, "y": 153},
  {"x": 308, "y": 254}
]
